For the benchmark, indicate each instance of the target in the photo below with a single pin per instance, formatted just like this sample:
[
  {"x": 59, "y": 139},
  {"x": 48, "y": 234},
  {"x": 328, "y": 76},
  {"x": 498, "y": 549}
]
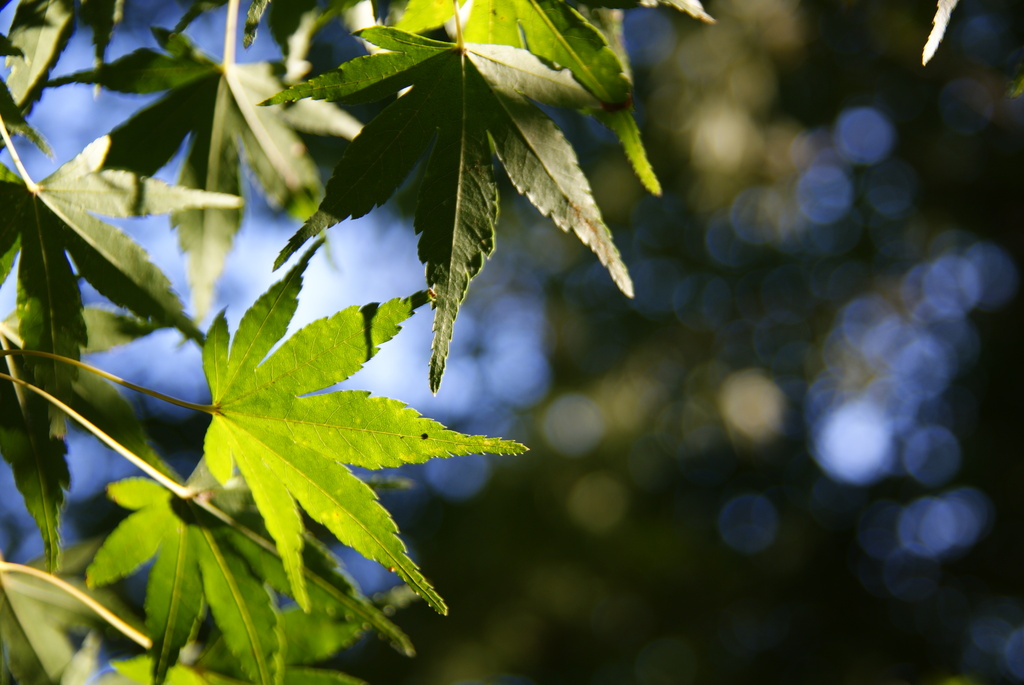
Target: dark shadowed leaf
[{"x": 460, "y": 103}]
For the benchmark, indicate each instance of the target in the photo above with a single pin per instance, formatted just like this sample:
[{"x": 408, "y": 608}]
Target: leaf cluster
[{"x": 282, "y": 457}]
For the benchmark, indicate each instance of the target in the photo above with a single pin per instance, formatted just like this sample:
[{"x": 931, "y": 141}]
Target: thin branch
[
  {"x": 19, "y": 391},
  {"x": 206, "y": 408},
  {"x": 104, "y": 613},
  {"x": 458, "y": 29},
  {"x": 29, "y": 183},
  {"x": 230, "y": 35},
  {"x": 177, "y": 489}
]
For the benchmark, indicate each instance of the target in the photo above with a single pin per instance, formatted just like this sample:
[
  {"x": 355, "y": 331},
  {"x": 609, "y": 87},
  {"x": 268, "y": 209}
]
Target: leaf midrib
[
  {"x": 179, "y": 566},
  {"x": 399, "y": 562},
  {"x": 317, "y": 424},
  {"x": 595, "y": 83},
  {"x": 236, "y": 595}
]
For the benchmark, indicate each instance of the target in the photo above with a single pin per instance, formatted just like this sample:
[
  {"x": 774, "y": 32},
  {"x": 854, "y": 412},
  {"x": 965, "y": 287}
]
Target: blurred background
[{"x": 792, "y": 458}]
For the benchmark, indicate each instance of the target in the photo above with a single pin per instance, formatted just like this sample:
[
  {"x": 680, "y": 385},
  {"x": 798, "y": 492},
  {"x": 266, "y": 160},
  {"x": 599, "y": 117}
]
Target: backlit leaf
[
  {"x": 458, "y": 104},
  {"x": 15, "y": 122},
  {"x": 216, "y": 105},
  {"x": 40, "y": 31},
  {"x": 102, "y": 16},
  {"x": 692, "y": 7},
  {"x": 292, "y": 449},
  {"x": 36, "y": 460},
  {"x": 56, "y": 222},
  {"x": 940, "y": 22},
  {"x": 558, "y": 33}
]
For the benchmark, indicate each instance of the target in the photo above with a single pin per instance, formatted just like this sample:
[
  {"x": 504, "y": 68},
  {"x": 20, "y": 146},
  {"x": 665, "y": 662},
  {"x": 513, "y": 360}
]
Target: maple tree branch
[
  {"x": 206, "y": 408},
  {"x": 179, "y": 490},
  {"x": 104, "y": 613},
  {"x": 458, "y": 29},
  {"x": 32, "y": 186},
  {"x": 230, "y": 34}
]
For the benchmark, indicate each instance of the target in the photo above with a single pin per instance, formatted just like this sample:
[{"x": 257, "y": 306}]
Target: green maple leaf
[
  {"x": 193, "y": 563},
  {"x": 467, "y": 104},
  {"x": 7, "y": 47},
  {"x": 692, "y": 7},
  {"x": 215, "y": 103},
  {"x": 555, "y": 31},
  {"x": 39, "y": 33},
  {"x": 102, "y": 16},
  {"x": 201, "y": 560},
  {"x": 292, "y": 448},
  {"x": 56, "y": 219},
  {"x": 37, "y": 462},
  {"x": 15, "y": 122}
]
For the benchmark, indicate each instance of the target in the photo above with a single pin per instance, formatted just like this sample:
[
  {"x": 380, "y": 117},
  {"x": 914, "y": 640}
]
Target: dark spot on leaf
[
  {"x": 617, "y": 106},
  {"x": 424, "y": 436}
]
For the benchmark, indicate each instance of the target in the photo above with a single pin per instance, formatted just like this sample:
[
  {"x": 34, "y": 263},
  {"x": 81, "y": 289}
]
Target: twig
[
  {"x": 29, "y": 183},
  {"x": 458, "y": 29},
  {"x": 104, "y": 613},
  {"x": 179, "y": 490},
  {"x": 206, "y": 408},
  {"x": 230, "y": 35}
]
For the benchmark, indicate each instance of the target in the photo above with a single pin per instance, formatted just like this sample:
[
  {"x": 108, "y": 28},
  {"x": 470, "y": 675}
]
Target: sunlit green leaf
[
  {"x": 940, "y": 22},
  {"x": 174, "y": 592},
  {"x": 241, "y": 606},
  {"x": 329, "y": 589},
  {"x": 556, "y": 32},
  {"x": 423, "y": 15},
  {"x": 292, "y": 450},
  {"x": 315, "y": 637},
  {"x": 174, "y": 598}
]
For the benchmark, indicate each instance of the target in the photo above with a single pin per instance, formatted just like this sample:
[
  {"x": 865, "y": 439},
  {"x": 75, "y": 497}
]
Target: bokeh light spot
[
  {"x": 457, "y": 479},
  {"x": 597, "y": 502},
  {"x": 825, "y": 193},
  {"x": 946, "y": 526},
  {"x": 573, "y": 424},
  {"x": 999, "y": 274},
  {"x": 748, "y": 523},
  {"x": 1013, "y": 654},
  {"x": 752, "y": 405},
  {"x": 864, "y": 135},
  {"x": 854, "y": 443}
]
